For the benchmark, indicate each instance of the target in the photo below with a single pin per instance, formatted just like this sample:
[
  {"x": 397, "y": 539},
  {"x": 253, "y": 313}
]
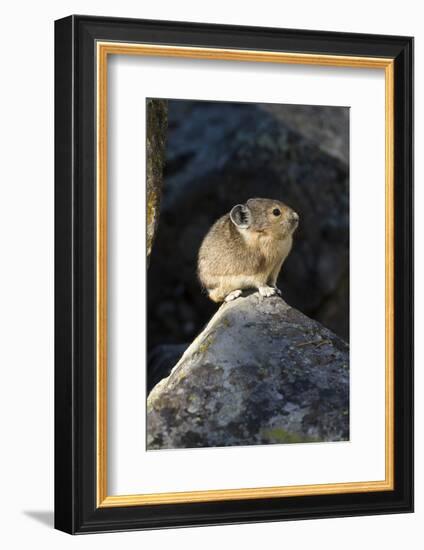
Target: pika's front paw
[
  {"x": 277, "y": 290},
  {"x": 267, "y": 291},
  {"x": 233, "y": 295}
]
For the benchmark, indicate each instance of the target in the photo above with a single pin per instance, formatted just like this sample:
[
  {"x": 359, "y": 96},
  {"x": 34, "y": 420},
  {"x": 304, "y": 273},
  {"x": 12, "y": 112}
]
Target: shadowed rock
[
  {"x": 161, "y": 360},
  {"x": 156, "y": 129},
  {"x": 260, "y": 372},
  {"x": 327, "y": 127}
]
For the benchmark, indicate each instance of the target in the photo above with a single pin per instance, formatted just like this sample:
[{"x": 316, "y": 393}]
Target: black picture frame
[{"x": 76, "y": 510}]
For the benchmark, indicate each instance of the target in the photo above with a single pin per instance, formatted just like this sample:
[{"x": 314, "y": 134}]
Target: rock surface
[
  {"x": 156, "y": 130},
  {"x": 221, "y": 154},
  {"x": 327, "y": 127},
  {"x": 260, "y": 372}
]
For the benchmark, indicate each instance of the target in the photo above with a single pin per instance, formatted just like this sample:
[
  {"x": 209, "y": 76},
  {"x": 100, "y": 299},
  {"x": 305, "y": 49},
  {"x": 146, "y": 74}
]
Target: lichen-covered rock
[
  {"x": 260, "y": 372},
  {"x": 156, "y": 129}
]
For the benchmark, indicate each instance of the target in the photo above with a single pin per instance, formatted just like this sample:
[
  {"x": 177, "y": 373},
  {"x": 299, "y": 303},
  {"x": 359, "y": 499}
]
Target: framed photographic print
[{"x": 233, "y": 265}]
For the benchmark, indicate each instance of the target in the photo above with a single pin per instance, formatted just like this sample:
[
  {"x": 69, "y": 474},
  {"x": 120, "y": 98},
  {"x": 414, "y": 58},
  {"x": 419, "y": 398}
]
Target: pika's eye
[{"x": 276, "y": 212}]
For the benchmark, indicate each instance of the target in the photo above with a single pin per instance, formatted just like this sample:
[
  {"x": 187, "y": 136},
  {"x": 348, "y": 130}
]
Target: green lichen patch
[
  {"x": 205, "y": 344},
  {"x": 280, "y": 435}
]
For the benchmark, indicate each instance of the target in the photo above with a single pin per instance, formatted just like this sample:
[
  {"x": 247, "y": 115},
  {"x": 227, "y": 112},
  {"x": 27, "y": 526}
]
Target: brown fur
[{"x": 232, "y": 257}]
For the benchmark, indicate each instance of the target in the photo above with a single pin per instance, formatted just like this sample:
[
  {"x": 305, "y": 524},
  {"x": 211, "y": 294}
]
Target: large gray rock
[{"x": 260, "y": 372}]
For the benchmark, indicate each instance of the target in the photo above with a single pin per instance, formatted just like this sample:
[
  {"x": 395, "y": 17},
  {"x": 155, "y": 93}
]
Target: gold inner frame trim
[{"x": 104, "y": 49}]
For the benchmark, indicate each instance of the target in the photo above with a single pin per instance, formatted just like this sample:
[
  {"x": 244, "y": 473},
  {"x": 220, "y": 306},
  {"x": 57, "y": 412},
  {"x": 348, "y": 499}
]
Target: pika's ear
[{"x": 241, "y": 216}]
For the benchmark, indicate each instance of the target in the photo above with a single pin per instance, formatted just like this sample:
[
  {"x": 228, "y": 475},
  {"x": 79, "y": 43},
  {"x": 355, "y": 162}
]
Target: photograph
[{"x": 247, "y": 273}]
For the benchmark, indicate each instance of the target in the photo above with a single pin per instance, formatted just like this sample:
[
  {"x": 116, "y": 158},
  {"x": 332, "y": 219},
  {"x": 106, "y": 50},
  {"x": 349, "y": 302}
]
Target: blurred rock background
[{"x": 221, "y": 154}]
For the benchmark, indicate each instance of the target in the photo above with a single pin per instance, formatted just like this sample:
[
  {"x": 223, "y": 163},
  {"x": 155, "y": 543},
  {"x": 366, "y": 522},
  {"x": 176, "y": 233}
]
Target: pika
[{"x": 246, "y": 249}]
